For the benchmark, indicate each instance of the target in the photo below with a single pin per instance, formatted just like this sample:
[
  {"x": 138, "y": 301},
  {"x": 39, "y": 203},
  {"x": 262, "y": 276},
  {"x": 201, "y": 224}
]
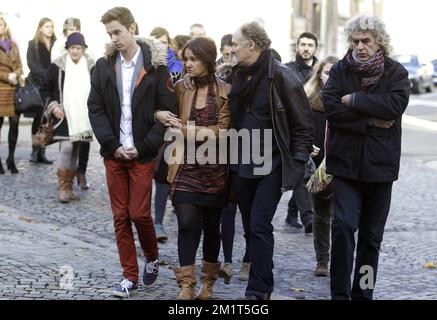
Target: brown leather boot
[
  {"x": 62, "y": 186},
  {"x": 186, "y": 278},
  {"x": 226, "y": 272},
  {"x": 70, "y": 177},
  {"x": 210, "y": 273},
  {"x": 322, "y": 269}
]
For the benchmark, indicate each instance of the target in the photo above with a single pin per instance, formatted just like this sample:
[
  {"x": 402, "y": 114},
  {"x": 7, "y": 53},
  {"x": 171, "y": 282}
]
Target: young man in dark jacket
[
  {"x": 126, "y": 87},
  {"x": 306, "y": 48},
  {"x": 268, "y": 98},
  {"x": 364, "y": 98}
]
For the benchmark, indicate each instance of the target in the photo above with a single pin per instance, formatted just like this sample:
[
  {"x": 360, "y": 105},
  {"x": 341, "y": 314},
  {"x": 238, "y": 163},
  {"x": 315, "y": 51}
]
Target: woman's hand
[
  {"x": 316, "y": 151},
  {"x": 13, "y": 79},
  {"x": 58, "y": 112},
  {"x": 168, "y": 119}
]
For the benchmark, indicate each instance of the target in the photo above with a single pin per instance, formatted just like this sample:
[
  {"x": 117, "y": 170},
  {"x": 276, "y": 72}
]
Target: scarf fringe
[{"x": 84, "y": 136}]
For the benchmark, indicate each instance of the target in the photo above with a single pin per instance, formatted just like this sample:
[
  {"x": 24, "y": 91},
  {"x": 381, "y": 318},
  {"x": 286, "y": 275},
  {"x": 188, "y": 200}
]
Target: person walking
[
  {"x": 266, "y": 96},
  {"x": 300, "y": 201},
  {"x": 199, "y": 192},
  {"x": 39, "y": 60},
  {"x": 323, "y": 201},
  {"x": 11, "y": 72},
  {"x": 126, "y": 86},
  {"x": 70, "y": 26},
  {"x": 66, "y": 90},
  {"x": 364, "y": 98}
]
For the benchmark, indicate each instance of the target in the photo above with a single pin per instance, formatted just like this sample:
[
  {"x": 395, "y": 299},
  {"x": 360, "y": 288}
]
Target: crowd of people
[{"x": 345, "y": 113}]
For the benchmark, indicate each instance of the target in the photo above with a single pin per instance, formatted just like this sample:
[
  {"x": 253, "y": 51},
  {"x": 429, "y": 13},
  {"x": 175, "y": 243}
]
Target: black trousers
[
  {"x": 301, "y": 201},
  {"x": 258, "y": 200},
  {"x": 84, "y": 153},
  {"x": 363, "y": 207}
]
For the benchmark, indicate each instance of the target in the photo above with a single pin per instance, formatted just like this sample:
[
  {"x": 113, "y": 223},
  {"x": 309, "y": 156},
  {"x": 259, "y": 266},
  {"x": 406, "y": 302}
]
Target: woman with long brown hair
[
  {"x": 10, "y": 74},
  {"x": 199, "y": 191},
  {"x": 322, "y": 203},
  {"x": 39, "y": 60}
]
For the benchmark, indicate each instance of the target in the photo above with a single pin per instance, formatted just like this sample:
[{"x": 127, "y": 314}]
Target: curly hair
[
  {"x": 367, "y": 23},
  {"x": 255, "y": 32}
]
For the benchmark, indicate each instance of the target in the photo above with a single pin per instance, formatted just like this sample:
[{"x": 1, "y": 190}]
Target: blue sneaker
[
  {"x": 125, "y": 289},
  {"x": 150, "y": 274}
]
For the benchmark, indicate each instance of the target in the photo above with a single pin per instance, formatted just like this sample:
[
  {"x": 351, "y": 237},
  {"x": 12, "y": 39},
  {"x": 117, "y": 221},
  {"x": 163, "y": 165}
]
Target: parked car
[
  {"x": 420, "y": 72},
  {"x": 434, "y": 62}
]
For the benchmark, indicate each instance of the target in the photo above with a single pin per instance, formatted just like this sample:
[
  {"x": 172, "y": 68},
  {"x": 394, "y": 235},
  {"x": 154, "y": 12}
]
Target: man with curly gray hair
[
  {"x": 266, "y": 96},
  {"x": 365, "y": 98}
]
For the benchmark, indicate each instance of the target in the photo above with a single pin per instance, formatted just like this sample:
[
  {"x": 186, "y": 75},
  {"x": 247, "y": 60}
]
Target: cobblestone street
[{"x": 41, "y": 238}]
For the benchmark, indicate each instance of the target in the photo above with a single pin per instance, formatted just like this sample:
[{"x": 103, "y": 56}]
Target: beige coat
[{"x": 185, "y": 100}]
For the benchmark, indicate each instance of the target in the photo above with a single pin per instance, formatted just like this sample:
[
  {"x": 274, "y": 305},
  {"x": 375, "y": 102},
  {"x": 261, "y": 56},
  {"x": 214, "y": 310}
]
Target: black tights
[
  {"x": 13, "y": 133},
  {"x": 191, "y": 221}
]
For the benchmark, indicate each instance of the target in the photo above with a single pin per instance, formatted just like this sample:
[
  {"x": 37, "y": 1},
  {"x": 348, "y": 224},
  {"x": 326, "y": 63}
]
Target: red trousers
[{"x": 130, "y": 191}]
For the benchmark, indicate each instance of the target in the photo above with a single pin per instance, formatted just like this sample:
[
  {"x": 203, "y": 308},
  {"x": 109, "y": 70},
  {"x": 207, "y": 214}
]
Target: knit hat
[{"x": 76, "y": 38}]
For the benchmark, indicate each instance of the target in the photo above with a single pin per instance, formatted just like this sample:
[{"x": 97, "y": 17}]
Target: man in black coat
[
  {"x": 266, "y": 97},
  {"x": 306, "y": 48},
  {"x": 300, "y": 201},
  {"x": 364, "y": 98},
  {"x": 126, "y": 87}
]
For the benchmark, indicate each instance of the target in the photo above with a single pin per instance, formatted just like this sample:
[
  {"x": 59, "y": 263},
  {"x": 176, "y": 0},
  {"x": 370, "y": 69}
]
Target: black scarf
[
  {"x": 303, "y": 65},
  {"x": 204, "y": 81},
  {"x": 242, "y": 91}
]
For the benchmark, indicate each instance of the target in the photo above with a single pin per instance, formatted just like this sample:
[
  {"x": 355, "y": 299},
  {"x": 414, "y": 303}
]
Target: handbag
[
  {"x": 45, "y": 133},
  {"x": 46, "y": 130},
  {"x": 28, "y": 99},
  {"x": 44, "y": 136},
  {"x": 319, "y": 182}
]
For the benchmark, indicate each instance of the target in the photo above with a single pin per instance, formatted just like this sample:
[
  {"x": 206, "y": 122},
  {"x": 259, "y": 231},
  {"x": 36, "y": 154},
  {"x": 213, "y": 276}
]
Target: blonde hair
[
  {"x": 158, "y": 32},
  {"x": 315, "y": 84},
  {"x": 8, "y": 31}
]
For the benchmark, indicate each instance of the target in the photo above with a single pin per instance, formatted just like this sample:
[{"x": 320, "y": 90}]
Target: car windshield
[{"x": 406, "y": 59}]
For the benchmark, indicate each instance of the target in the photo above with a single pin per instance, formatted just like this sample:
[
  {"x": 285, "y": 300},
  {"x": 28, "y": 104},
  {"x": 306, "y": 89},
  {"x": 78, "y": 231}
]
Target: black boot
[
  {"x": 42, "y": 156},
  {"x": 10, "y": 163},
  {"x": 2, "y": 171},
  {"x": 34, "y": 155},
  {"x": 293, "y": 222}
]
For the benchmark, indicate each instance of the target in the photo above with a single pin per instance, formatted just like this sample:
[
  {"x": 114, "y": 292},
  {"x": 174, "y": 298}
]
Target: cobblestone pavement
[{"x": 40, "y": 239}]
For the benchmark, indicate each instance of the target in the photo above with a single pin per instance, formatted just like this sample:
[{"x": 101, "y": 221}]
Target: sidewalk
[{"x": 40, "y": 239}]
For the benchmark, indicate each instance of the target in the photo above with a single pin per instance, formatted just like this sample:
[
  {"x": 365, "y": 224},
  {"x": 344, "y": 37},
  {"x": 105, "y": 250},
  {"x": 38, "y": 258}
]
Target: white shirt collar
[{"x": 134, "y": 59}]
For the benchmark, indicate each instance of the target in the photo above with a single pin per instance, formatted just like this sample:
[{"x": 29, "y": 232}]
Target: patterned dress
[{"x": 198, "y": 184}]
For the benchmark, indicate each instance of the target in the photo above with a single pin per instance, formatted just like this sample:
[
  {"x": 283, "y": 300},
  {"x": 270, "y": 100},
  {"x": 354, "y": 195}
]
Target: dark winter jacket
[
  {"x": 38, "y": 60},
  {"x": 301, "y": 69},
  {"x": 356, "y": 150},
  {"x": 292, "y": 123},
  {"x": 153, "y": 91},
  {"x": 319, "y": 119}
]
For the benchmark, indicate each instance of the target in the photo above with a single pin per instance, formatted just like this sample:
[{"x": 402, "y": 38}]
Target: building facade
[{"x": 326, "y": 19}]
